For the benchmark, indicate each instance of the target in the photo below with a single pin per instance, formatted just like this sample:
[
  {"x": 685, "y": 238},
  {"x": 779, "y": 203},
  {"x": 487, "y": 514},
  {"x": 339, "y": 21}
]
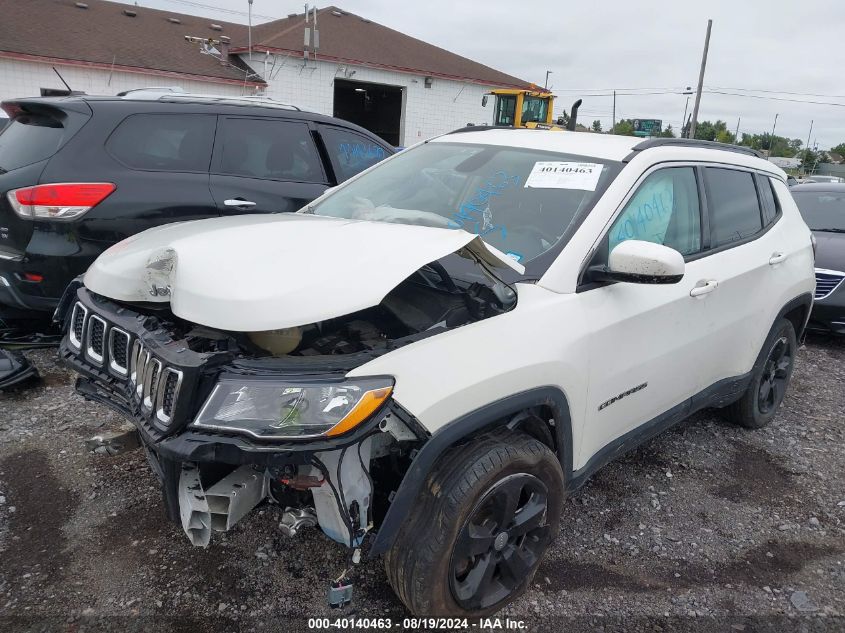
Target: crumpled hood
[{"x": 255, "y": 273}]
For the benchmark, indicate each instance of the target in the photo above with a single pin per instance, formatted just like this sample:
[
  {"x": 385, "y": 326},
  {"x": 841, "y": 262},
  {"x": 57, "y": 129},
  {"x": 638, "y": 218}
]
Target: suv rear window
[
  {"x": 29, "y": 139},
  {"x": 164, "y": 142},
  {"x": 734, "y": 207}
]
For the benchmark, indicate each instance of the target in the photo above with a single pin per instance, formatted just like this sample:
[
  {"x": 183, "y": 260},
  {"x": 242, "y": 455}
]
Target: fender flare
[
  {"x": 801, "y": 301},
  {"x": 483, "y": 419}
]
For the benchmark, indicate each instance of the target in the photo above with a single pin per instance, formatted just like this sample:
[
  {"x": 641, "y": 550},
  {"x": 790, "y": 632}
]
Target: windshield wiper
[{"x": 830, "y": 230}]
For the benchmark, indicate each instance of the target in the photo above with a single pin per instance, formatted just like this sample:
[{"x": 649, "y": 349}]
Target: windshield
[
  {"x": 519, "y": 200},
  {"x": 822, "y": 210},
  {"x": 534, "y": 109}
]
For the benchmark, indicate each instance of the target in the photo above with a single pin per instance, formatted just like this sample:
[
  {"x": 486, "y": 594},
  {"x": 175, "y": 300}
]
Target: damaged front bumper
[{"x": 212, "y": 479}]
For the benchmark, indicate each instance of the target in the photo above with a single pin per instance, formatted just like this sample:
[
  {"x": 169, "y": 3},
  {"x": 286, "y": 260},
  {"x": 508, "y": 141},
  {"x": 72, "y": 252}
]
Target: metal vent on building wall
[
  {"x": 129, "y": 13},
  {"x": 215, "y": 27},
  {"x": 174, "y": 20},
  {"x": 337, "y": 14},
  {"x": 80, "y": 5}
]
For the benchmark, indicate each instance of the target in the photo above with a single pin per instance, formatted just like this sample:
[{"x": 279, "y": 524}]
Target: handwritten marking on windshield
[{"x": 474, "y": 215}]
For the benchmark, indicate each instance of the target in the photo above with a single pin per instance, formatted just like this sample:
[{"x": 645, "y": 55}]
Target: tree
[
  {"x": 777, "y": 146},
  {"x": 724, "y": 136},
  {"x": 839, "y": 149},
  {"x": 809, "y": 160},
  {"x": 596, "y": 126},
  {"x": 625, "y": 127},
  {"x": 667, "y": 133},
  {"x": 708, "y": 131}
]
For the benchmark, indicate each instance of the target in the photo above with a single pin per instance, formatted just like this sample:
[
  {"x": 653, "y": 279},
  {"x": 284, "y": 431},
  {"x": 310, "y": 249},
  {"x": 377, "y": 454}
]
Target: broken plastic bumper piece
[{"x": 14, "y": 369}]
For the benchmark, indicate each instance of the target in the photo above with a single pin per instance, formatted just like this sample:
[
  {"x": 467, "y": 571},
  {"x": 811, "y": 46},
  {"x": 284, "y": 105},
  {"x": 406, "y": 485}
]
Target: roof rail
[
  {"x": 691, "y": 142},
  {"x": 265, "y": 102},
  {"x": 478, "y": 128},
  {"x": 151, "y": 93}
]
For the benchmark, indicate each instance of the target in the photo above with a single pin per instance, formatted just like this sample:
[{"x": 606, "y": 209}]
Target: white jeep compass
[{"x": 426, "y": 360}]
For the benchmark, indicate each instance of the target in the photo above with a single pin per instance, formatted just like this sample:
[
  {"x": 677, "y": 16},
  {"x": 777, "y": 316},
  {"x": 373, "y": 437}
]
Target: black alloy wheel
[
  {"x": 500, "y": 543},
  {"x": 775, "y": 376}
]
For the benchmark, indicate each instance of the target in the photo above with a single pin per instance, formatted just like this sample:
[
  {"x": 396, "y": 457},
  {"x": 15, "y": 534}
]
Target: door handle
[
  {"x": 238, "y": 202},
  {"x": 703, "y": 287},
  {"x": 777, "y": 258}
]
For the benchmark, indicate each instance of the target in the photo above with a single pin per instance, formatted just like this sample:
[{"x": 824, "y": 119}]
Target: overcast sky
[{"x": 647, "y": 45}]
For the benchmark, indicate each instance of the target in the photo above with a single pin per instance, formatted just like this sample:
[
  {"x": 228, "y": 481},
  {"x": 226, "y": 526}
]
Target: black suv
[{"x": 80, "y": 173}]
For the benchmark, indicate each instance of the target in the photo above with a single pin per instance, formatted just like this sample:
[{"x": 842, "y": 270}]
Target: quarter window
[
  {"x": 270, "y": 150},
  {"x": 164, "y": 142},
  {"x": 664, "y": 210},
  {"x": 733, "y": 204},
  {"x": 349, "y": 152},
  {"x": 769, "y": 199}
]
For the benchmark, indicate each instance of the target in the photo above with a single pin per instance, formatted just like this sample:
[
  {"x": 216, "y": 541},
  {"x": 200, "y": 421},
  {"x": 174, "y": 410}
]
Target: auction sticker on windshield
[{"x": 564, "y": 175}]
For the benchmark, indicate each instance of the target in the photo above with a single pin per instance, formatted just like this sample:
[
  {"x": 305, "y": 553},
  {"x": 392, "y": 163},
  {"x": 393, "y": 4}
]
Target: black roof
[{"x": 175, "y": 102}]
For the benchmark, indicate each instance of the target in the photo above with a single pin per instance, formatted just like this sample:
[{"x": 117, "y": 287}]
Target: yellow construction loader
[{"x": 527, "y": 108}]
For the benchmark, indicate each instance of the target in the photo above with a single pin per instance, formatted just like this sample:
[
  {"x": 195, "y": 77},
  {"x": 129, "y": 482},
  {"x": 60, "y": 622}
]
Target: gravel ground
[{"x": 707, "y": 525}]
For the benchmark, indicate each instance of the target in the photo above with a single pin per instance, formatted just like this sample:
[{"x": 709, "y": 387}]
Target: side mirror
[
  {"x": 638, "y": 262},
  {"x": 484, "y": 101}
]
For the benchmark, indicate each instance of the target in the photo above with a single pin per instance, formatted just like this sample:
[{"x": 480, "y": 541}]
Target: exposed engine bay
[
  {"x": 428, "y": 302},
  {"x": 341, "y": 485}
]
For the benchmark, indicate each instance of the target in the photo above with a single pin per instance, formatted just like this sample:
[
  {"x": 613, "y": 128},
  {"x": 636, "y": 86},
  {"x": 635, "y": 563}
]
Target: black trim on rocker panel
[{"x": 486, "y": 418}]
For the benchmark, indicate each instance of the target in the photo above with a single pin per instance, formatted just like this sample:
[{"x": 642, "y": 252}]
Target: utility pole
[
  {"x": 546, "y": 85},
  {"x": 250, "y": 29},
  {"x": 807, "y": 153},
  {"x": 700, "y": 80},
  {"x": 613, "y": 129},
  {"x": 772, "y": 137},
  {"x": 687, "y": 92},
  {"x": 736, "y": 134}
]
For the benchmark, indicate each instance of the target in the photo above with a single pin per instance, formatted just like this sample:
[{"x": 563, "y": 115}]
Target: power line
[
  {"x": 608, "y": 90},
  {"x": 783, "y": 92},
  {"x": 200, "y": 5},
  {"x": 736, "y": 94}
]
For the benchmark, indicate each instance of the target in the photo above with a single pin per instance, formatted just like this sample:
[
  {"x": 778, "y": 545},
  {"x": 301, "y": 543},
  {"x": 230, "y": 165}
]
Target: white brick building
[{"x": 399, "y": 87}]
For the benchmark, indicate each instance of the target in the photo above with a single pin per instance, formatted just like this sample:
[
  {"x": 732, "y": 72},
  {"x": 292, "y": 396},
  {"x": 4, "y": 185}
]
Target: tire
[
  {"x": 769, "y": 380},
  {"x": 455, "y": 534}
]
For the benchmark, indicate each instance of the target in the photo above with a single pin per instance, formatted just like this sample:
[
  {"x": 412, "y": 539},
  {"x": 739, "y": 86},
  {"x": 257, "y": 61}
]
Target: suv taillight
[{"x": 60, "y": 201}]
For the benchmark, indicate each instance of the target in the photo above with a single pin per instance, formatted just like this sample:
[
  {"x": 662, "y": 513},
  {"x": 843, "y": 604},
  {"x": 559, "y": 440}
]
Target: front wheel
[
  {"x": 487, "y": 514},
  {"x": 769, "y": 379}
]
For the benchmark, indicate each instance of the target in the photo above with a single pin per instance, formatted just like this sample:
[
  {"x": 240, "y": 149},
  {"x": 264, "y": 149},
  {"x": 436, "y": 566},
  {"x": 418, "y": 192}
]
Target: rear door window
[
  {"x": 269, "y": 149},
  {"x": 29, "y": 139},
  {"x": 349, "y": 152},
  {"x": 164, "y": 142},
  {"x": 733, "y": 204}
]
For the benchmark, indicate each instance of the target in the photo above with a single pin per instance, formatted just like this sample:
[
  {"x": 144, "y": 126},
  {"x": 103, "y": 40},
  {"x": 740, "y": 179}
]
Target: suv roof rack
[
  {"x": 264, "y": 102},
  {"x": 691, "y": 142},
  {"x": 174, "y": 94}
]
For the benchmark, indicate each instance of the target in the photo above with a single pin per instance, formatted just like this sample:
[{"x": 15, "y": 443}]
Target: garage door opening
[{"x": 375, "y": 107}]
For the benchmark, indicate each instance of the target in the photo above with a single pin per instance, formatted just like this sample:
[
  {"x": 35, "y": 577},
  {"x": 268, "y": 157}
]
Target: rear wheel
[
  {"x": 487, "y": 514},
  {"x": 769, "y": 381}
]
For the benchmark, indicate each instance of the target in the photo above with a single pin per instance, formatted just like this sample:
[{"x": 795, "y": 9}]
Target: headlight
[{"x": 268, "y": 409}]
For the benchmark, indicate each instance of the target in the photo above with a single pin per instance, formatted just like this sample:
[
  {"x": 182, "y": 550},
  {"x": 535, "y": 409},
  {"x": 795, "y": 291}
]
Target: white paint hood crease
[{"x": 267, "y": 272}]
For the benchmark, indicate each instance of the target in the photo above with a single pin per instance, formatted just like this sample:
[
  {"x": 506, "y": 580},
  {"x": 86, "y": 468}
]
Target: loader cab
[{"x": 521, "y": 108}]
